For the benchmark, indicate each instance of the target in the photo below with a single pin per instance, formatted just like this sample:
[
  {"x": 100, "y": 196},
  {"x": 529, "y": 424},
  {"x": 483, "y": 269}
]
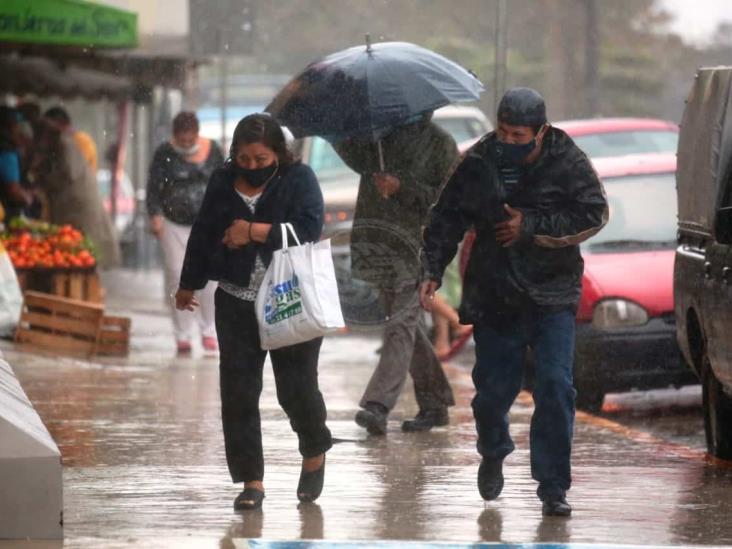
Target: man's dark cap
[{"x": 522, "y": 107}]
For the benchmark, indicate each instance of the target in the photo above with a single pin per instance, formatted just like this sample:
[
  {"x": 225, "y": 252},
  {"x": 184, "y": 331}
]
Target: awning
[
  {"x": 67, "y": 23},
  {"x": 44, "y": 77}
]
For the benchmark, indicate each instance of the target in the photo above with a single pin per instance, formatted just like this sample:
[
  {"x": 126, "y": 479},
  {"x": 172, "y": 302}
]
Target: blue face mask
[{"x": 514, "y": 152}]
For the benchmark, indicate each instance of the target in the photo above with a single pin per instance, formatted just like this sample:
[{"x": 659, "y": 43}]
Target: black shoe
[
  {"x": 426, "y": 419},
  {"x": 556, "y": 506},
  {"x": 311, "y": 484},
  {"x": 490, "y": 478},
  {"x": 373, "y": 418},
  {"x": 250, "y": 498}
]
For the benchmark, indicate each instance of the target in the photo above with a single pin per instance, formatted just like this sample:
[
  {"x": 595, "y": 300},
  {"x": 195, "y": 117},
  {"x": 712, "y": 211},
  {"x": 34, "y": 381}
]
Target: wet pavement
[{"x": 144, "y": 460}]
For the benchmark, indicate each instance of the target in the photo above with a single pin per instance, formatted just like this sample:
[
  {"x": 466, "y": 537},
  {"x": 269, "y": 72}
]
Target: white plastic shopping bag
[
  {"x": 298, "y": 299},
  {"x": 11, "y": 298}
]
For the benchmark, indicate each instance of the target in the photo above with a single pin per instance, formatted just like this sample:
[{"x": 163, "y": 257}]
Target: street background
[{"x": 144, "y": 462}]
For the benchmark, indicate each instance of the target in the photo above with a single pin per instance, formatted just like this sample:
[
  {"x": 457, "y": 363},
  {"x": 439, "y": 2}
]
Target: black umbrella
[{"x": 368, "y": 89}]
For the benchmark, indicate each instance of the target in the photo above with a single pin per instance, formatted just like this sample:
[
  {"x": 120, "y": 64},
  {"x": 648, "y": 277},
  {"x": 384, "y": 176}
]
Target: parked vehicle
[
  {"x": 703, "y": 271},
  {"x": 601, "y": 137},
  {"x": 626, "y": 337}
]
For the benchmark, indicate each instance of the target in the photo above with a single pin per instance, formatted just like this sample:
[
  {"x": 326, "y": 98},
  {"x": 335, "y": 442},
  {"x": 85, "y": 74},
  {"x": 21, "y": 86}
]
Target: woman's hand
[
  {"x": 238, "y": 234},
  {"x": 185, "y": 300}
]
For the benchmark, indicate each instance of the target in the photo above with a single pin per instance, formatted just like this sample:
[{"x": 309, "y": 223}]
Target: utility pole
[
  {"x": 223, "y": 84},
  {"x": 592, "y": 60},
  {"x": 501, "y": 53}
]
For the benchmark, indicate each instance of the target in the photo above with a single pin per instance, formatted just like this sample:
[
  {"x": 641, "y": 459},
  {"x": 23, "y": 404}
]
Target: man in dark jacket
[
  {"x": 399, "y": 182},
  {"x": 532, "y": 196}
]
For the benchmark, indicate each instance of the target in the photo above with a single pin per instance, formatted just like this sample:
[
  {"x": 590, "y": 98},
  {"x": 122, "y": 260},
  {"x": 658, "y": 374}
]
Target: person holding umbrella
[
  {"x": 400, "y": 177},
  {"x": 375, "y": 104},
  {"x": 532, "y": 196}
]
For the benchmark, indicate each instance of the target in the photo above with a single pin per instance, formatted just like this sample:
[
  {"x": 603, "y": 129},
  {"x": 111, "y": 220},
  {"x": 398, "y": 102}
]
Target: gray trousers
[{"x": 407, "y": 348}]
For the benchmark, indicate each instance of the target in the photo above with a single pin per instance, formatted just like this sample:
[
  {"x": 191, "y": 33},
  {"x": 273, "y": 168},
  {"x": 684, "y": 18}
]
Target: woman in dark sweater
[{"x": 232, "y": 241}]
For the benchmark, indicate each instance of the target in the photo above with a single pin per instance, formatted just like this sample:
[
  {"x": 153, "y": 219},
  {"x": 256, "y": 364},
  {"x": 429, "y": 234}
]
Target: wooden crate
[
  {"x": 114, "y": 336},
  {"x": 79, "y": 284},
  {"x": 59, "y": 324}
]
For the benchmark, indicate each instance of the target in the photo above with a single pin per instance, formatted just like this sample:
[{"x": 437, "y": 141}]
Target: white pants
[{"x": 173, "y": 244}]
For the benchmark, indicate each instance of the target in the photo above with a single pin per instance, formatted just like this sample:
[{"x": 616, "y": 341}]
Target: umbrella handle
[{"x": 381, "y": 155}]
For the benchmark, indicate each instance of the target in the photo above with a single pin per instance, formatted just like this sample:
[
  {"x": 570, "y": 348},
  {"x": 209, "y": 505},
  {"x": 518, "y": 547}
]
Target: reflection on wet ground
[{"x": 144, "y": 465}]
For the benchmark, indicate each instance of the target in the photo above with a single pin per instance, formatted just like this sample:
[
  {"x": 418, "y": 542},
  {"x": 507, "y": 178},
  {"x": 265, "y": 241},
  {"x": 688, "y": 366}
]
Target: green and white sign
[{"x": 68, "y": 23}]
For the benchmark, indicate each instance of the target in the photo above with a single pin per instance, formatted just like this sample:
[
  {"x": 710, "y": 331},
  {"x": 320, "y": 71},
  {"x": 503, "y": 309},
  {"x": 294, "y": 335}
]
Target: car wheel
[{"x": 717, "y": 413}]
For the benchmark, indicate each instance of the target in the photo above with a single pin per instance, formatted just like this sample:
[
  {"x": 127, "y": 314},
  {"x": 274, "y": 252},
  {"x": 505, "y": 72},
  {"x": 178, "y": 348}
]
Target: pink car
[
  {"x": 626, "y": 330},
  {"x": 602, "y": 137}
]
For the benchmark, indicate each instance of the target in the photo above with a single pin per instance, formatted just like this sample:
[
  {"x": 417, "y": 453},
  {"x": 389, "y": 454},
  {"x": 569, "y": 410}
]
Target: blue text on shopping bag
[{"x": 285, "y": 301}]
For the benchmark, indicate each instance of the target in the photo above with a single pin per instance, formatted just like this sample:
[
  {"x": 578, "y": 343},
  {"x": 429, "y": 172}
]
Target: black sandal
[
  {"x": 250, "y": 498},
  {"x": 311, "y": 484}
]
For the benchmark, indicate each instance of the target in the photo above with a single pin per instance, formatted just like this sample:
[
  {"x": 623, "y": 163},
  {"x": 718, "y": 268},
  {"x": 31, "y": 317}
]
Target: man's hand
[
  {"x": 237, "y": 235},
  {"x": 156, "y": 225},
  {"x": 508, "y": 232},
  {"x": 185, "y": 300},
  {"x": 386, "y": 184},
  {"x": 427, "y": 294}
]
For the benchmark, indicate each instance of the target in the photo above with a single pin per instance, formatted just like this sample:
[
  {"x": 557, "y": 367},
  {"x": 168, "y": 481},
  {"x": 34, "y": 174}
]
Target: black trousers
[{"x": 241, "y": 363}]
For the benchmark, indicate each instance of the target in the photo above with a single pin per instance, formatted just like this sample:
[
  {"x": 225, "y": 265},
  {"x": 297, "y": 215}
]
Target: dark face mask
[
  {"x": 257, "y": 177},
  {"x": 513, "y": 152}
]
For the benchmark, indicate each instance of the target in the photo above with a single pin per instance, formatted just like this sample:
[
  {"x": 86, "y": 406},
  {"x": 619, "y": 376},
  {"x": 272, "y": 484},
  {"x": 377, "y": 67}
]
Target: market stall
[{"x": 75, "y": 49}]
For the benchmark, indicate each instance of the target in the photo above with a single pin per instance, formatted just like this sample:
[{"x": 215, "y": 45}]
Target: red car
[
  {"x": 601, "y": 137},
  {"x": 626, "y": 334}
]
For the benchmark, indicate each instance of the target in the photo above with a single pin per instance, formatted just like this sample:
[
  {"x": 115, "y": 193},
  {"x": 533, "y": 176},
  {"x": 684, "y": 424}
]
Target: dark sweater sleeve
[
  {"x": 446, "y": 227},
  {"x": 201, "y": 245},
  {"x": 155, "y": 180},
  {"x": 305, "y": 209}
]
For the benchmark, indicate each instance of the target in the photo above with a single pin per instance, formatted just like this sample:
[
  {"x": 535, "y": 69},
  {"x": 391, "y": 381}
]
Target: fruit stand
[
  {"x": 53, "y": 259},
  {"x": 63, "y": 300}
]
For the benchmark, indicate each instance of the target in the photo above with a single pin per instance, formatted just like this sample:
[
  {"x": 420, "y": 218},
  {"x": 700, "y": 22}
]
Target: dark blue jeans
[{"x": 500, "y": 355}]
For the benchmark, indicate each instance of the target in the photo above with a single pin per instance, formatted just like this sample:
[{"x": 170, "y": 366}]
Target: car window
[
  {"x": 631, "y": 220},
  {"x": 325, "y": 162},
  {"x": 631, "y": 142},
  {"x": 461, "y": 129}
]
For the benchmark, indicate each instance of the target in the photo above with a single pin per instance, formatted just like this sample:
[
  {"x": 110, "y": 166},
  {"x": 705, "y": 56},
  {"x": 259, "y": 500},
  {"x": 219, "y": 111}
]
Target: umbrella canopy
[{"x": 370, "y": 89}]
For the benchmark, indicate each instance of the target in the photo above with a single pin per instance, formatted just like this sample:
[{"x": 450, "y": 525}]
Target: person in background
[
  {"x": 30, "y": 129},
  {"x": 179, "y": 173},
  {"x": 70, "y": 186},
  {"x": 398, "y": 184},
  {"x": 532, "y": 196},
  {"x": 233, "y": 239},
  {"x": 445, "y": 317},
  {"x": 14, "y": 197},
  {"x": 59, "y": 116}
]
